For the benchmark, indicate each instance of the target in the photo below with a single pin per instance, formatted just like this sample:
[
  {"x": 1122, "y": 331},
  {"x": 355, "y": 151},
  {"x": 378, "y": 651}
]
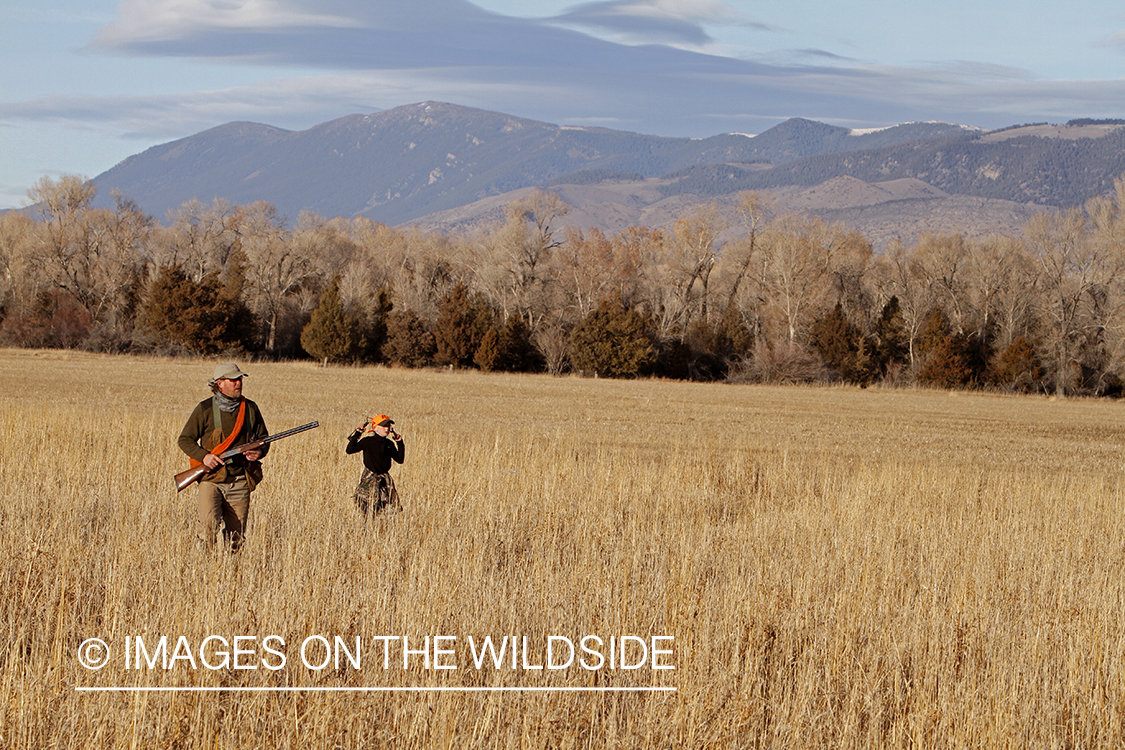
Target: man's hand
[{"x": 212, "y": 462}]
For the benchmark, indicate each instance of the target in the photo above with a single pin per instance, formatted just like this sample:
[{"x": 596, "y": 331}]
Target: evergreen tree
[
  {"x": 492, "y": 352},
  {"x": 239, "y": 318},
  {"x": 409, "y": 343},
  {"x": 374, "y": 334},
  {"x": 463, "y": 320},
  {"x": 205, "y": 316},
  {"x": 949, "y": 359},
  {"x": 1017, "y": 367},
  {"x": 522, "y": 356},
  {"x": 332, "y": 334},
  {"x": 933, "y": 332},
  {"x": 841, "y": 345},
  {"x": 507, "y": 348},
  {"x": 891, "y": 341},
  {"x": 698, "y": 356},
  {"x": 733, "y": 339},
  {"x": 947, "y": 363},
  {"x": 611, "y": 341}
]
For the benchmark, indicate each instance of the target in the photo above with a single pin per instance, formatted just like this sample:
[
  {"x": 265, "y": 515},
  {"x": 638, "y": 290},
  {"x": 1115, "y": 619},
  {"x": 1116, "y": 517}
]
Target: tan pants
[{"x": 225, "y": 504}]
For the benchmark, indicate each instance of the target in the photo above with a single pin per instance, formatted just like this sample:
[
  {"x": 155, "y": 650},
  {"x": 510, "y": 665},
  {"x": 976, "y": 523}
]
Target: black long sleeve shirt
[{"x": 378, "y": 451}]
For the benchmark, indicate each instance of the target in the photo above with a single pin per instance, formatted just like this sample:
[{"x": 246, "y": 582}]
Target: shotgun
[{"x": 187, "y": 478}]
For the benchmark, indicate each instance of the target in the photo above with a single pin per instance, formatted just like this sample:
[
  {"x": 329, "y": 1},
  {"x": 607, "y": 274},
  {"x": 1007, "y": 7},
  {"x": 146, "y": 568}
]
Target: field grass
[{"x": 837, "y": 567}]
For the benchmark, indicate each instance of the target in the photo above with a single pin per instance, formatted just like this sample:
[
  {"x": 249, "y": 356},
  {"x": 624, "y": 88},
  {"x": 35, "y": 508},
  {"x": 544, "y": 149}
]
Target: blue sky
[{"x": 87, "y": 83}]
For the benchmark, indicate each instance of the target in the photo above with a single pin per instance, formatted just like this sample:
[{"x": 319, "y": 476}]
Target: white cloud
[
  {"x": 683, "y": 10},
  {"x": 655, "y": 21},
  {"x": 291, "y": 103},
  {"x": 158, "y": 20},
  {"x": 385, "y": 53}
]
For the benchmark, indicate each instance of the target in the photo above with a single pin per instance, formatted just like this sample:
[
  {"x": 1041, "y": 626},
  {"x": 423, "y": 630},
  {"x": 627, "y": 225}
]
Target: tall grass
[{"x": 839, "y": 568}]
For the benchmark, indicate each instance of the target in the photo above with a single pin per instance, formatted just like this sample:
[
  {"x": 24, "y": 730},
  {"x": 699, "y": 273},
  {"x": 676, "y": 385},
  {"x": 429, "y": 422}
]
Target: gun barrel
[
  {"x": 267, "y": 439},
  {"x": 287, "y": 433}
]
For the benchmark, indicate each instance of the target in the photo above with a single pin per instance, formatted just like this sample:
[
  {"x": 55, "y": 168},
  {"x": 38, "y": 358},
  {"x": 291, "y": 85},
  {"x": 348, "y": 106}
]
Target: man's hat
[
  {"x": 227, "y": 371},
  {"x": 381, "y": 419}
]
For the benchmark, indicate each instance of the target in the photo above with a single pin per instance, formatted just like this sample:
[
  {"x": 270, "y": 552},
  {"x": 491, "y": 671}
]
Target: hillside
[
  {"x": 445, "y": 166},
  {"x": 407, "y": 162},
  {"x": 1048, "y": 166},
  {"x": 882, "y": 211}
]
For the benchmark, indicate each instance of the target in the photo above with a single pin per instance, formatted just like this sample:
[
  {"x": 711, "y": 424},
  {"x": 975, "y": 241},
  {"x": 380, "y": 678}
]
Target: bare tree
[
  {"x": 92, "y": 254},
  {"x": 584, "y": 269},
  {"x": 898, "y": 275},
  {"x": 430, "y": 265},
  {"x": 694, "y": 246},
  {"x": 200, "y": 238},
  {"x": 676, "y": 270},
  {"x": 1001, "y": 284},
  {"x": 940, "y": 261},
  {"x": 848, "y": 270},
  {"x": 753, "y": 208},
  {"x": 279, "y": 271},
  {"x": 67, "y": 243},
  {"x": 331, "y": 241},
  {"x": 20, "y": 276},
  {"x": 794, "y": 267},
  {"x": 1107, "y": 220},
  {"x": 512, "y": 261},
  {"x": 1076, "y": 274}
]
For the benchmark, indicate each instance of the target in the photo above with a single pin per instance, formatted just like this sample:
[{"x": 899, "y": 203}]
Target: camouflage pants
[{"x": 375, "y": 493}]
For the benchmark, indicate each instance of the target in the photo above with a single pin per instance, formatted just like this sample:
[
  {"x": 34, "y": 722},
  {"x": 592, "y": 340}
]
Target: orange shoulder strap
[{"x": 230, "y": 438}]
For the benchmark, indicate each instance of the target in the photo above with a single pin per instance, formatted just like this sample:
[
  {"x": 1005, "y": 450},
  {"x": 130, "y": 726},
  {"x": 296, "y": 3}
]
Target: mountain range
[{"x": 445, "y": 166}]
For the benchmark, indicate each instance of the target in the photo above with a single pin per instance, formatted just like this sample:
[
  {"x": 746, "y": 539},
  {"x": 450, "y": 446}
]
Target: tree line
[{"x": 763, "y": 297}]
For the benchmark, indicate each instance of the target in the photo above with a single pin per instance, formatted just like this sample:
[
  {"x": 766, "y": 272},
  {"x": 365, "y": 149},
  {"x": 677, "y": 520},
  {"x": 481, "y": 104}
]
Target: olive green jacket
[{"x": 199, "y": 436}]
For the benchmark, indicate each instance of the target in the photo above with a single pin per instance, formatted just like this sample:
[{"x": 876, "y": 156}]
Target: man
[
  {"x": 380, "y": 445},
  {"x": 226, "y": 420}
]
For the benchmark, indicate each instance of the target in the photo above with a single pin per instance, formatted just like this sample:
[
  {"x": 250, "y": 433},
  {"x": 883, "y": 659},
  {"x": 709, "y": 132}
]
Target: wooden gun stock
[{"x": 189, "y": 477}]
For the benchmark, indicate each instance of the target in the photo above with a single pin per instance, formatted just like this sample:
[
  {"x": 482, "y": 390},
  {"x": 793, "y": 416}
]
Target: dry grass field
[{"x": 838, "y": 567}]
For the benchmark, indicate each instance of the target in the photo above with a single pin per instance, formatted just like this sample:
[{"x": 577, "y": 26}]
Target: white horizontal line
[{"x": 378, "y": 689}]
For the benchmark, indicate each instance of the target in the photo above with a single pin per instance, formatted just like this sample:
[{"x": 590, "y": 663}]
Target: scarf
[{"x": 227, "y": 404}]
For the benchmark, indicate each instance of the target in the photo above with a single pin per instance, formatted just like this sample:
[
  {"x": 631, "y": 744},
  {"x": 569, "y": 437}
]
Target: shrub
[
  {"x": 1017, "y": 367},
  {"x": 733, "y": 339},
  {"x": 788, "y": 362},
  {"x": 701, "y": 355},
  {"x": 57, "y": 320},
  {"x": 611, "y": 342},
  {"x": 947, "y": 365},
  {"x": 204, "y": 316}
]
